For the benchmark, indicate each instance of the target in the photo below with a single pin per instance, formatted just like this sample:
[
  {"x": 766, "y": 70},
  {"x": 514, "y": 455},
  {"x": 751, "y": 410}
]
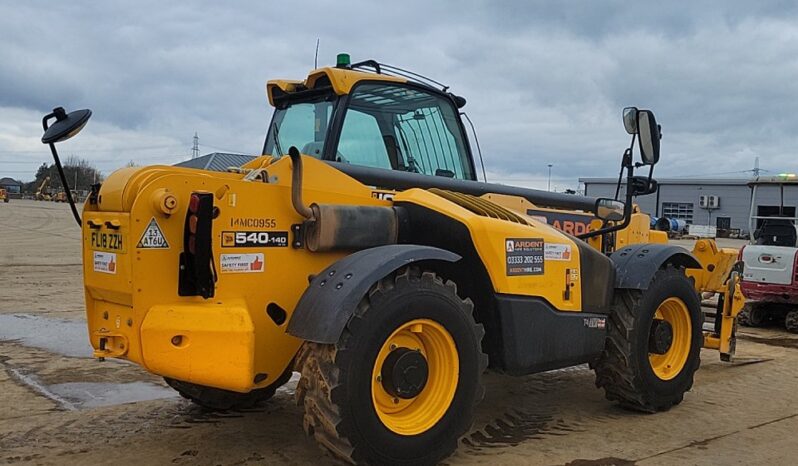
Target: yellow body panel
[
  {"x": 145, "y": 281},
  {"x": 490, "y": 236},
  {"x": 215, "y": 344}
]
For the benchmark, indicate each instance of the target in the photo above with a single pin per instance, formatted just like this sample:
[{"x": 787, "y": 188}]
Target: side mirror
[
  {"x": 630, "y": 119},
  {"x": 610, "y": 209},
  {"x": 648, "y": 136},
  {"x": 65, "y": 126},
  {"x": 642, "y": 185}
]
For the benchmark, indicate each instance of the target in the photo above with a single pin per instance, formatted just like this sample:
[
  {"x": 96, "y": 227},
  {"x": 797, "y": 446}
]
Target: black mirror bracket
[{"x": 65, "y": 126}]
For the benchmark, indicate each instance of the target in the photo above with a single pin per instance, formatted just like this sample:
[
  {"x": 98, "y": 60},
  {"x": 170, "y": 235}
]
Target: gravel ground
[{"x": 59, "y": 406}]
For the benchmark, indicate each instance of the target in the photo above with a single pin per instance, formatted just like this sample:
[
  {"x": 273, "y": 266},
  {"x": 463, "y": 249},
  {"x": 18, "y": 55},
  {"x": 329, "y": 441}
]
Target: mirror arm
[
  {"x": 627, "y": 209},
  {"x": 61, "y": 174}
]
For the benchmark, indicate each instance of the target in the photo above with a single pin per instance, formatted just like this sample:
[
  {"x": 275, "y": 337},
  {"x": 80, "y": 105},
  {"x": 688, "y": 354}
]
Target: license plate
[{"x": 107, "y": 241}]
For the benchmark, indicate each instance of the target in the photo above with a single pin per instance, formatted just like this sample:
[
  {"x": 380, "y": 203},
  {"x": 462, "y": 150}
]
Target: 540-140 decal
[{"x": 254, "y": 239}]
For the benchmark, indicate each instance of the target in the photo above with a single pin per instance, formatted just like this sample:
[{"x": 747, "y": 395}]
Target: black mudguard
[
  {"x": 333, "y": 294},
  {"x": 636, "y": 265}
]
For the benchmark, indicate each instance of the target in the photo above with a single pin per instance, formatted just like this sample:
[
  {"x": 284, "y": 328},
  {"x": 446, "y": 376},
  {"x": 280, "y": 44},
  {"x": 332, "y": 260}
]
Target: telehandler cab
[{"x": 361, "y": 251}]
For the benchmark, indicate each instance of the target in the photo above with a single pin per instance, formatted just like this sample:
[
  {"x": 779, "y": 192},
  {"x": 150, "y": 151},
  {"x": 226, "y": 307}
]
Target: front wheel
[
  {"x": 653, "y": 344},
  {"x": 401, "y": 384}
]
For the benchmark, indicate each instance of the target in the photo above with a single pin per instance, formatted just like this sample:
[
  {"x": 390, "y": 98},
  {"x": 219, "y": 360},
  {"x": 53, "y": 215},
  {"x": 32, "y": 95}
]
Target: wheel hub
[
  {"x": 661, "y": 337},
  {"x": 404, "y": 373}
]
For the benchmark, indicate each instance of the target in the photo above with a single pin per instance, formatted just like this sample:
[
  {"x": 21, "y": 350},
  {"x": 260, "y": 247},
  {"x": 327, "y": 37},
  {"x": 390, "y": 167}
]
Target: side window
[
  {"x": 404, "y": 128},
  {"x": 361, "y": 141}
]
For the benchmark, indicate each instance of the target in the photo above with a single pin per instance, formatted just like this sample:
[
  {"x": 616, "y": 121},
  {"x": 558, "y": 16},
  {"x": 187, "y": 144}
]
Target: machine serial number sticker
[
  {"x": 153, "y": 237},
  {"x": 524, "y": 256},
  {"x": 241, "y": 263},
  {"x": 557, "y": 252},
  {"x": 105, "y": 262},
  {"x": 252, "y": 239},
  {"x": 107, "y": 241}
]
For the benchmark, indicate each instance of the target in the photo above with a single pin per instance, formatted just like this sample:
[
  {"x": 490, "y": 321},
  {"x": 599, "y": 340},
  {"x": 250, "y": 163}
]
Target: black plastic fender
[
  {"x": 333, "y": 294},
  {"x": 636, "y": 265}
]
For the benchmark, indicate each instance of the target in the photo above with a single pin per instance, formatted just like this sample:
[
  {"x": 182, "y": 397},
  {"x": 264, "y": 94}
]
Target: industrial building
[
  {"x": 13, "y": 187},
  {"x": 216, "y": 161},
  {"x": 681, "y": 198}
]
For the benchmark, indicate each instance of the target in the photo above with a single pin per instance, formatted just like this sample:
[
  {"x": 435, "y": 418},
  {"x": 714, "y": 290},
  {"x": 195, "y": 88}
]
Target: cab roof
[{"x": 341, "y": 80}]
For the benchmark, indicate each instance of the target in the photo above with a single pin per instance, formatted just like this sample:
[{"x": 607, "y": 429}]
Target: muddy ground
[{"x": 59, "y": 406}]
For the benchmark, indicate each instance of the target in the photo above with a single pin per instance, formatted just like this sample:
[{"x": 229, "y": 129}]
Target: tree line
[{"x": 80, "y": 175}]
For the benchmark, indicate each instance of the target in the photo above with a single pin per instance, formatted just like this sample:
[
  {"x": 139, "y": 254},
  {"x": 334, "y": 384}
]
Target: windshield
[
  {"x": 303, "y": 125},
  {"x": 391, "y": 126}
]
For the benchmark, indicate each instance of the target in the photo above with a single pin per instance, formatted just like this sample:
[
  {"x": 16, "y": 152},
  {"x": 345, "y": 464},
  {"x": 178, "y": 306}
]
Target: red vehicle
[{"x": 770, "y": 263}]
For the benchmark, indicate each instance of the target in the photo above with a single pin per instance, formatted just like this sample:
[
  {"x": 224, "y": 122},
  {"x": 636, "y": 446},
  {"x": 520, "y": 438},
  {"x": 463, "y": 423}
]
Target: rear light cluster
[{"x": 197, "y": 274}]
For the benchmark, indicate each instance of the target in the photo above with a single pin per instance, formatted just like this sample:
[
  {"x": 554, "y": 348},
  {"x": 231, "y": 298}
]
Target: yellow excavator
[
  {"x": 361, "y": 251},
  {"x": 41, "y": 191}
]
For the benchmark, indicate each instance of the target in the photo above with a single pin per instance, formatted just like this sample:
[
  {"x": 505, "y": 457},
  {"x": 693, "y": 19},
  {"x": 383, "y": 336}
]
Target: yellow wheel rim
[
  {"x": 669, "y": 365},
  {"x": 419, "y": 414}
]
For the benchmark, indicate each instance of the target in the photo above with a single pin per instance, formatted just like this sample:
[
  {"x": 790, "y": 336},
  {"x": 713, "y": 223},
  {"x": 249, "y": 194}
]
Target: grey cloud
[{"x": 545, "y": 81}]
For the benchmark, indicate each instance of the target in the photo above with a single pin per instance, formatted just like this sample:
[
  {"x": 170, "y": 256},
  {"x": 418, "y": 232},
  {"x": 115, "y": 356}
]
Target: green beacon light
[{"x": 343, "y": 60}]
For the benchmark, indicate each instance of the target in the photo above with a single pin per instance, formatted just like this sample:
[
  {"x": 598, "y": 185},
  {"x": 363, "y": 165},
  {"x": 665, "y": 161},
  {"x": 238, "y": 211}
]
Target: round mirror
[
  {"x": 630, "y": 119},
  {"x": 66, "y": 125}
]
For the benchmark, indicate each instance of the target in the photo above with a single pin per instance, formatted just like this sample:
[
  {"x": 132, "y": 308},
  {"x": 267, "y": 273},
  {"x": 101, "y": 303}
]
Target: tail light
[{"x": 197, "y": 274}]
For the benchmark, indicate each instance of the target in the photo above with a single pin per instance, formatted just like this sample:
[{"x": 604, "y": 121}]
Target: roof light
[
  {"x": 343, "y": 60},
  {"x": 787, "y": 175}
]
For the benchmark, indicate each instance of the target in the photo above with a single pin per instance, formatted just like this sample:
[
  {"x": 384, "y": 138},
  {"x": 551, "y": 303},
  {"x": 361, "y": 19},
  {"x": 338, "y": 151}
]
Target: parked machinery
[
  {"x": 770, "y": 262},
  {"x": 361, "y": 251}
]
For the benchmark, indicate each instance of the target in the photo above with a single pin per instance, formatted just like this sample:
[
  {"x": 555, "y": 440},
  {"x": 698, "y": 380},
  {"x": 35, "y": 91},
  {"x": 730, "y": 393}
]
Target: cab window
[{"x": 403, "y": 128}]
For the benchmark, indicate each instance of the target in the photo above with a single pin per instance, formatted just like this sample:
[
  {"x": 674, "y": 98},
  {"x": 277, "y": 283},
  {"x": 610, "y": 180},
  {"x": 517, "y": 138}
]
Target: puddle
[
  {"x": 65, "y": 337},
  {"x": 70, "y": 338},
  {"x": 94, "y": 394}
]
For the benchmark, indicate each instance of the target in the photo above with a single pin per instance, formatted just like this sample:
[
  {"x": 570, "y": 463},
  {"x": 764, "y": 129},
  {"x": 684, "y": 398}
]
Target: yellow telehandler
[{"x": 361, "y": 251}]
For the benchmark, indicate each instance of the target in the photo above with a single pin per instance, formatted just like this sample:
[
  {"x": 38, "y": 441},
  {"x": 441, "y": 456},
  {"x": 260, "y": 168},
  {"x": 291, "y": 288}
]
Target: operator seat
[{"x": 777, "y": 232}]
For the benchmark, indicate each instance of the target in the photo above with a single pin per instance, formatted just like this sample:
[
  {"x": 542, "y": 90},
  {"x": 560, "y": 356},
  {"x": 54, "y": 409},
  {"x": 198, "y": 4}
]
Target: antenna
[
  {"x": 195, "y": 149},
  {"x": 316, "y": 58}
]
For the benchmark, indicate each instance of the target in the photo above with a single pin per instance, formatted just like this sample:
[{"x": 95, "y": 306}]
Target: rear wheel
[
  {"x": 653, "y": 344},
  {"x": 217, "y": 399},
  {"x": 401, "y": 384},
  {"x": 791, "y": 321}
]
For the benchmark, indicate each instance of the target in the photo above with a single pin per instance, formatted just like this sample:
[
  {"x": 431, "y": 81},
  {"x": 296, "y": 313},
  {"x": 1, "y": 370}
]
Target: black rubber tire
[
  {"x": 335, "y": 388},
  {"x": 623, "y": 369},
  {"x": 791, "y": 322},
  {"x": 217, "y": 399},
  {"x": 753, "y": 315}
]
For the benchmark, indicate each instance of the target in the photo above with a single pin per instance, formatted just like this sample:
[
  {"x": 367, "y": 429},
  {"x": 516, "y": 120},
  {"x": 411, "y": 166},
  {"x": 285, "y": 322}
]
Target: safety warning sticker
[
  {"x": 105, "y": 262},
  {"x": 524, "y": 256},
  {"x": 557, "y": 252},
  {"x": 153, "y": 237},
  {"x": 241, "y": 263}
]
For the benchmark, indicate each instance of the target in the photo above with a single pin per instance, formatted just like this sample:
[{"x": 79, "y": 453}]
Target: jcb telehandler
[{"x": 361, "y": 251}]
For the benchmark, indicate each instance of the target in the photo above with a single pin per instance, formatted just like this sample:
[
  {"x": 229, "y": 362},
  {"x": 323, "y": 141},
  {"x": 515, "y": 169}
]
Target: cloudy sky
[{"x": 545, "y": 81}]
